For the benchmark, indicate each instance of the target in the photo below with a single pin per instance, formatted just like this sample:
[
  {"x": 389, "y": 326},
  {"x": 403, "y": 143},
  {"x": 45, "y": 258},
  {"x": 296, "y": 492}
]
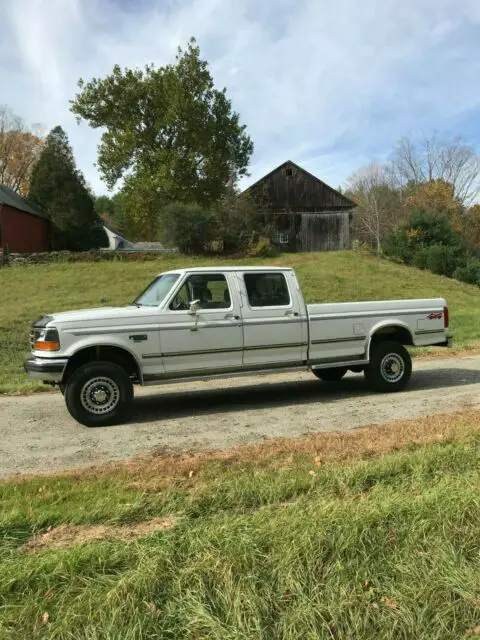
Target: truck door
[
  {"x": 274, "y": 318},
  {"x": 210, "y": 340}
]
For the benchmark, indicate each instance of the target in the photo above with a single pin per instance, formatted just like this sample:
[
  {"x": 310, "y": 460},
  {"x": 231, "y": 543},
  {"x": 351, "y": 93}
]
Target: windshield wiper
[{"x": 135, "y": 304}]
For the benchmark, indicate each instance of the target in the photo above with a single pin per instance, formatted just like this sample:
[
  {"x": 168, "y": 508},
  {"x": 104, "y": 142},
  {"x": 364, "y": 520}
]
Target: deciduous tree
[
  {"x": 379, "y": 203},
  {"x": 435, "y": 196},
  {"x": 469, "y": 225},
  {"x": 168, "y": 131},
  {"x": 434, "y": 159},
  {"x": 20, "y": 147}
]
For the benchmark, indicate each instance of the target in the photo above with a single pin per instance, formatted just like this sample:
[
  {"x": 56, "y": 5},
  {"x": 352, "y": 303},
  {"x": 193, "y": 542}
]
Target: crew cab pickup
[{"x": 206, "y": 322}]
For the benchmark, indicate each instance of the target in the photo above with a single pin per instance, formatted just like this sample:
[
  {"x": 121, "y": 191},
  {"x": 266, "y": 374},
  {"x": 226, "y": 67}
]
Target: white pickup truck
[{"x": 203, "y": 323}]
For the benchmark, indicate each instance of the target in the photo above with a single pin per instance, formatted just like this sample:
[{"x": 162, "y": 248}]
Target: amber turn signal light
[{"x": 46, "y": 346}]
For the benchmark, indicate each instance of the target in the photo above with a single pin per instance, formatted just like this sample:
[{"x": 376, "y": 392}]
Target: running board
[
  {"x": 163, "y": 379},
  {"x": 157, "y": 380},
  {"x": 337, "y": 364}
]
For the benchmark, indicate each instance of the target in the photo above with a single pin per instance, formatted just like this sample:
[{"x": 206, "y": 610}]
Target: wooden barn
[
  {"x": 302, "y": 213},
  {"x": 23, "y": 227}
]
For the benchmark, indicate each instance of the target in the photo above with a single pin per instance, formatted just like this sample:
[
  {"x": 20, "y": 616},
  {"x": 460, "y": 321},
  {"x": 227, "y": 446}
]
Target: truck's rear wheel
[
  {"x": 330, "y": 375},
  {"x": 99, "y": 394},
  {"x": 390, "y": 367}
]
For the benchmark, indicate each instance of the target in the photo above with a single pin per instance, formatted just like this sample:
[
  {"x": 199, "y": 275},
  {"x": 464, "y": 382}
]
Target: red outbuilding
[{"x": 23, "y": 227}]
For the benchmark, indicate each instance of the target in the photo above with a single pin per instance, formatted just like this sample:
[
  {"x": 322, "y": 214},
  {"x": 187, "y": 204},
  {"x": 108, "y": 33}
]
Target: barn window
[
  {"x": 289, "y": 172},
  {"x": 281, "y": 237}
]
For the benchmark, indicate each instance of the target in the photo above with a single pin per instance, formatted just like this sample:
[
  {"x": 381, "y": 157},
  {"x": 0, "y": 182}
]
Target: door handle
[
  {"x": 292, "y": 313},
  {"x": 230, "y": 316}
]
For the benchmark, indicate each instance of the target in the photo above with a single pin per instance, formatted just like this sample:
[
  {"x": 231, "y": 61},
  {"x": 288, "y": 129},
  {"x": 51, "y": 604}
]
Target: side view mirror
[{"x": 194, "y": 307}]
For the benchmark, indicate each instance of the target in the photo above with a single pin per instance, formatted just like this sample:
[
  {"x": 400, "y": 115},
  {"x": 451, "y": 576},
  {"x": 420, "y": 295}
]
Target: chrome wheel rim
[
  {"x": 392, "y": 367},
  {"x": 100, "y": 395}
]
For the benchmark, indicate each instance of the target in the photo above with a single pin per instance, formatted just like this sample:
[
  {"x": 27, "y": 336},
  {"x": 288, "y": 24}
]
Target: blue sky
[{"x": 330, "y": 84}]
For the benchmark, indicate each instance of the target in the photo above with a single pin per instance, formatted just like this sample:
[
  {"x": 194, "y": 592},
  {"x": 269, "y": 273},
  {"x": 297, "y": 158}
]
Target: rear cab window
[{"x": 267, "y": 289}]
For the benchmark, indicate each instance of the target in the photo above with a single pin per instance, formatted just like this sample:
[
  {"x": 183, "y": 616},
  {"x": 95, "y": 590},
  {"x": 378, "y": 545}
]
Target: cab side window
[
  {"x": 211, "y": 289},
  {"x": 267, "y": 289}
]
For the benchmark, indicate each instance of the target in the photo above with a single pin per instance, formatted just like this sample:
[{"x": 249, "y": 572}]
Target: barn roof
[
  {"x": 345, "y": 201},
  {"x": 10, "y": 198}
]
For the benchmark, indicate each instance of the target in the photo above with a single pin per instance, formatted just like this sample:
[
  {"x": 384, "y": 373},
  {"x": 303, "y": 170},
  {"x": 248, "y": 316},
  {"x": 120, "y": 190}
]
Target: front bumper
[{"x": 45, "y": 369}]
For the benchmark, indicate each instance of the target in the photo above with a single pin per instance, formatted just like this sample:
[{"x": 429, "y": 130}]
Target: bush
[
  {"x": 398, "y": 246},
  {"x": 443, "y": 260},
  {"x": 439, "y": 259},
  {"x": 236, "y": 223},
  {"x": 420, "y": 259},
  {"x": 432, "y": 229},
  {"x": 421, "y": 231},
  {"x": 187, "y": 227},
  {"x": 469, "y": 273},
  {"x": 262, "y": 248}
]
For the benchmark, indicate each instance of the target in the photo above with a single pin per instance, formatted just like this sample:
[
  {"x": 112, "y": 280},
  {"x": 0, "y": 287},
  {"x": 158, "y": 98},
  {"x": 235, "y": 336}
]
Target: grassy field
[
  {"x": 28, "y": 292},
  {"x": 368, "y": 534}
]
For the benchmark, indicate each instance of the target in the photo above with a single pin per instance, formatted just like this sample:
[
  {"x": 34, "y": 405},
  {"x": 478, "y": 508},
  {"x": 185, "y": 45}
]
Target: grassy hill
[
  {"x": 371, "y": 534},
  {"x": 28, "y": 292}
]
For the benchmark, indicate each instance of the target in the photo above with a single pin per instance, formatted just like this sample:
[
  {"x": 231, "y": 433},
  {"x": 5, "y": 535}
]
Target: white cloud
[{"x": 330, "y": 85}]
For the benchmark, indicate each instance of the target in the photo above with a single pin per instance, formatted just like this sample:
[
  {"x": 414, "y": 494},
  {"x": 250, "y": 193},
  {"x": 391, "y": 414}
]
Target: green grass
[
  {"x": 28, "y": 292},
  {"x": 385, "y": 548}
]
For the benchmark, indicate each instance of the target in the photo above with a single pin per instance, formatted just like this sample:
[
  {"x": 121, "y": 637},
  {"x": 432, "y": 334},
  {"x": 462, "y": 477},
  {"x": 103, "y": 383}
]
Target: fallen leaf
[
  {"x": 318, "y": 461},
  {"x": 392, "y": 536},
  {"x": 190, "y": 473},
  {"x": 312, "y": 473},
  {"x": 474, "y": 631},
  {"x": 388, "y": 602},
  {"x": 152, "y": 608},
  {"x": 49, "y": 593},
  {"x": 374, "y": 605},
  {"x": 45, "y": 618},
  {"x": 366, "y": 584}
]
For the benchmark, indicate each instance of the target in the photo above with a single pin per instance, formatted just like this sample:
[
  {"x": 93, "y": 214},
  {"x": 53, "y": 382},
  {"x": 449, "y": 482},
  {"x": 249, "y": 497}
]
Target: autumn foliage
[
  {"x": 436, "y": 196},
  {"x": 20, "y": 148}
]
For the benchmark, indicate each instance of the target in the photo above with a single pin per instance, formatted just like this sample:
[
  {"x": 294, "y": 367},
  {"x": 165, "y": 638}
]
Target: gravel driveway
[{"x": 38, "y": 434}]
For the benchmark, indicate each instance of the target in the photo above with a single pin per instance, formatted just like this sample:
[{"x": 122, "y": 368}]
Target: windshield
[{"x": 157, "y": 291}]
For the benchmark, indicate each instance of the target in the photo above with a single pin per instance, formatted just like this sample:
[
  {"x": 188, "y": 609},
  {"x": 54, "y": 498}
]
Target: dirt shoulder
[{"x": 38, "y": 435}]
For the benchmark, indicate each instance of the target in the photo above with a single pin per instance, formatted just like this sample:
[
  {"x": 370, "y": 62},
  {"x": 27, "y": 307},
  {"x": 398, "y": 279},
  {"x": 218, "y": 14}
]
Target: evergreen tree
[{"x": 60, "y": 190}]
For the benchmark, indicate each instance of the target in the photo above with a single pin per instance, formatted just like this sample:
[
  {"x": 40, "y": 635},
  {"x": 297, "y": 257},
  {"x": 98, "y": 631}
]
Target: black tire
[
  {"x": 330, "y": 375},
  {"x": 105, "y": 379},
  {"x": 390, "y": 367}
]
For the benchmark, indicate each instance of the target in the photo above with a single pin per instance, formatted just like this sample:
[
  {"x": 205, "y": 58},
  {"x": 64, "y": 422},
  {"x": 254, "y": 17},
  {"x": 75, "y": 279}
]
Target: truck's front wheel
[
  {"x": 99, "y": 394},
  {"x": 390, "y": 367}
]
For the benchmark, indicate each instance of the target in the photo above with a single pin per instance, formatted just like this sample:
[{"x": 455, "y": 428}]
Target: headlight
[{"x": 45, "y": 340}]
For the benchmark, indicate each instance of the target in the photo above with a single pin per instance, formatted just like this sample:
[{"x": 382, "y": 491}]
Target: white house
[{"x": 116, "y": 241}]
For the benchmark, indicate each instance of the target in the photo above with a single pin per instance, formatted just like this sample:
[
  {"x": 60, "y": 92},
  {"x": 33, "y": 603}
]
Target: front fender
[{"x": 101, "y": 341}]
